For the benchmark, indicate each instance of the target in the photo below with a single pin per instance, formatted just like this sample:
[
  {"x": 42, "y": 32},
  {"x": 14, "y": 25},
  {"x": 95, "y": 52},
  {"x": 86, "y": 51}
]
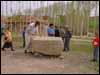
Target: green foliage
[
  {"x": 84, "y": 47},
  {"x": 15, "y": 18},
  {"x": 93, "y": 24},
  {"x": 51, "y": 20},
  {"x": 58, "y": 21},
  {"x": 62, "y": 20}
]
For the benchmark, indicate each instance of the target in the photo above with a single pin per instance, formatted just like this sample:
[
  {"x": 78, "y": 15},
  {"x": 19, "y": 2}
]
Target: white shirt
[{"x": 31, "y": 29}]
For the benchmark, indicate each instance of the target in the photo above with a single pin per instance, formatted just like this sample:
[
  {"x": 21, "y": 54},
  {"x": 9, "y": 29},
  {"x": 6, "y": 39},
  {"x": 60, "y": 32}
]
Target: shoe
[
  {"x": 67, "y": 50},
  {"x": 94, "y": 60},
  {"x": 64, "y": 50},
  {"x": 3, "y": 49},
  {"x": 30, "y": 52},
  {"x": 12, "y": 50},
  {"x": 25, "y": 51}
]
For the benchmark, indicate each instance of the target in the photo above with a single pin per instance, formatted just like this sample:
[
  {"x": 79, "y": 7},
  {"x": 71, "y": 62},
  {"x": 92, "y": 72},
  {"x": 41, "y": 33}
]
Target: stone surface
[{"x": 47, "y": 45}]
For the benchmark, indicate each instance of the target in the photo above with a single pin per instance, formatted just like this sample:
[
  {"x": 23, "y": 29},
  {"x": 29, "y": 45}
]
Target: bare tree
[
  {"x": 11, "y": 15},
  {"x": 6, "y": 8},
  {"x": 19, "y": 16},
  {"x": 2, "y": 9},
  {"x": 96, "y": 3}
]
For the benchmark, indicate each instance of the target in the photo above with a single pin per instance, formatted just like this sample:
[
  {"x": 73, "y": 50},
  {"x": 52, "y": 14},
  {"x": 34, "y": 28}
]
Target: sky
[{"x": 14, "y": 5}]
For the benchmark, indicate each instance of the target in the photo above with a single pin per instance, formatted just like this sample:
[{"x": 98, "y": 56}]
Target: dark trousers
[
  {"x": 24, "y": 43},
  {"x": 51, "y": 35},
  {"x": 63, "y": 39},
  {"x": 66, "y": 44},
  {"x": 7, "y": 45},
  {"x": 96, "y": 53}
]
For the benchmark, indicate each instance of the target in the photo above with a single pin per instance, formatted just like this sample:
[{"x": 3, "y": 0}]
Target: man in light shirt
[{"x": 31, "y": 31}]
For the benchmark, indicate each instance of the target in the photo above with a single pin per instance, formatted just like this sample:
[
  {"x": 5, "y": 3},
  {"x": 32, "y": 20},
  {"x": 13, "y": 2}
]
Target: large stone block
[{"x": 47, "y": 45}]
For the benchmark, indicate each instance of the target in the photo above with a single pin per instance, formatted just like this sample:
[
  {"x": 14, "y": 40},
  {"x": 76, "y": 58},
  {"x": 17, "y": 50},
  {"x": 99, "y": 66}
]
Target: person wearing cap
[
  {"x": 67, "y": 38},
  {"x": 31, "y": 30}
]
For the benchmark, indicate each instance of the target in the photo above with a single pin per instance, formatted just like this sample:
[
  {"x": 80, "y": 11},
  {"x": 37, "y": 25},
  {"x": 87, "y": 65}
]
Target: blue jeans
[
  {"x": 51, "y": 35},
  {"x": 96, "y": 53}
]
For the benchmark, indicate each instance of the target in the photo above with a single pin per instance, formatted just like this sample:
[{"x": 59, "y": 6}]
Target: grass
[
  {"x": 85, "y": 47},
  {"x": 76, "y": 46},
  {"x": 16, "y": 34}
]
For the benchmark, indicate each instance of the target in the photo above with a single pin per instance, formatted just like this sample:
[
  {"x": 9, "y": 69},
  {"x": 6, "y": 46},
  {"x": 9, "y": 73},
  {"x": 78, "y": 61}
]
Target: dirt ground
[{"x": 17, "y": 62}]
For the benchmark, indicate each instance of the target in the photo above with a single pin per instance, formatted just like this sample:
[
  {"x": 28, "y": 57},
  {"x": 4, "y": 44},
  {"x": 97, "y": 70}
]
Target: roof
[
  {"x": 94, "y": 18},
  {"x": 3, "y": 19},
  {"x": 25, "y": 18}
]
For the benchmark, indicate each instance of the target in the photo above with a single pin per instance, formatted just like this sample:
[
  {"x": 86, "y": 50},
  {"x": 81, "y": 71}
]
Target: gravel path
[{"x": 19, "y": 63}]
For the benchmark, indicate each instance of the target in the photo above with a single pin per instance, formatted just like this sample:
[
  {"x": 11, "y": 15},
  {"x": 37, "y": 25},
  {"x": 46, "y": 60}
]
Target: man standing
[
  {"x": 67, "y": 37},
  {"x": 31, "y": 31}
]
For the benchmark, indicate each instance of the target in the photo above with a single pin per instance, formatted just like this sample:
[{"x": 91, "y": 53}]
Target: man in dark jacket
[
  {"x": 67, "y": 37},
  {"x": 62, "y": 32},
  {"x": 57, "y": 34}
]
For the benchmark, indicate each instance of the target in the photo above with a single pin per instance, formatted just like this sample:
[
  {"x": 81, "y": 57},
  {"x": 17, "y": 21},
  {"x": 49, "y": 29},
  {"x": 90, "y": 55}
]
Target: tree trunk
[{"x": 95, "y": 16}]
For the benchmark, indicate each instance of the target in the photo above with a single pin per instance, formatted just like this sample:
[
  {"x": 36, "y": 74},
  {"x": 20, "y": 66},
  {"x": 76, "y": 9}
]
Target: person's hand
[
  {"x": 7, "y": 40},
  {"x": 95, "y": 43}
]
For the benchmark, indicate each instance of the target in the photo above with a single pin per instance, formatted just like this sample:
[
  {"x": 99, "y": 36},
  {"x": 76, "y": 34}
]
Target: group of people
[
  {"x": 52, "y": 31},
  {"x": 62, "y": 32},
  {"x": 31, "y": 30}
]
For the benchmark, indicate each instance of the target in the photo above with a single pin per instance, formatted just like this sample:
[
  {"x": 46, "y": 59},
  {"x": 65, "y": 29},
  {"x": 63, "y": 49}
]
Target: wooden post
[
  {"x": 15, "y": 22},
  {"x": 6, "y": 14},
  {"x": 11, "y": 16},
  {"x": 19, "y": 17},
  {"x": 95, "y": 16}
]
